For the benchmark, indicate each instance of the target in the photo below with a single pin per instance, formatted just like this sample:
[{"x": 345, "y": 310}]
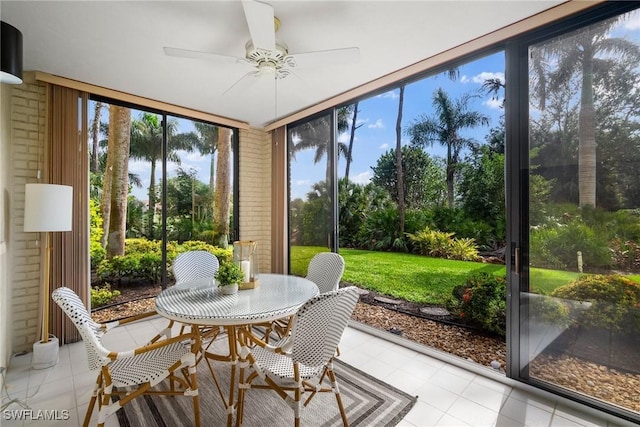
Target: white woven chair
[
  {"x": 135, "y": 372},
  {"x": 325, "y": 270},
  {"x": 298, "y": 364},
  {"x": 193, "y": 265}
]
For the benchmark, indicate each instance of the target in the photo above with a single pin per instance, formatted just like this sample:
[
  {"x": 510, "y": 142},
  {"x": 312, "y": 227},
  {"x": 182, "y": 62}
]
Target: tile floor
[{"x": 448, "y": 395}]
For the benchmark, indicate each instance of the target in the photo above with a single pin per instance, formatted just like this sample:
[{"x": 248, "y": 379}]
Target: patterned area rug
[{"x": 367, "y": 400}]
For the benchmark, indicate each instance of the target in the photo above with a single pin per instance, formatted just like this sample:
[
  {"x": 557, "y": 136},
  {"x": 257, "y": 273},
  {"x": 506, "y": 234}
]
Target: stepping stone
[
  {"x": 363, "y": 291},
  {"x": 388, "y": 300},
  {"x": 435, "y": 311}
]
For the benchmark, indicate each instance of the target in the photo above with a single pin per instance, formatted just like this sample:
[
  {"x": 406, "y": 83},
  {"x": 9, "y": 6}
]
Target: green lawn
[{"x": 418, "y": 278}]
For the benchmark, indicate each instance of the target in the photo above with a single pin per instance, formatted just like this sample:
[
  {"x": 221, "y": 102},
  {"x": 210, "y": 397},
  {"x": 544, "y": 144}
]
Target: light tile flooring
[{"x": 448, "y": 395}]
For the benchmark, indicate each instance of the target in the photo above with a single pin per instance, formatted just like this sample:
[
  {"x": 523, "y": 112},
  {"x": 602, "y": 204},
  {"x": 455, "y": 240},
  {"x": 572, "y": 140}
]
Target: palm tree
[
  {"x": 222, "y": 203},
  {"x": 146, "y": 144},
  {"x": 352, "y": 136},
  {"x": 587, "y": 53},
  {"x": 444, "y": 128},
  {"x": 399, "y": 171},
  {"x": 316, "y": 134},
  {"x": 116, "y": 183}
]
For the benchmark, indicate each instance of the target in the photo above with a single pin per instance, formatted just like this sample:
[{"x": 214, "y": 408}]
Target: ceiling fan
[{"x": 268, "y": 56}]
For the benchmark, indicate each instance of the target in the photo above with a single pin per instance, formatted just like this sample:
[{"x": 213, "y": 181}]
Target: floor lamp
[{"x": 47, "y": 208}]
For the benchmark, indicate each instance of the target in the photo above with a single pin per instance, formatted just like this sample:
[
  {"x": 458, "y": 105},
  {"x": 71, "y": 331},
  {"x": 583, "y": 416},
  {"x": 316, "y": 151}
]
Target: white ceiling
[{"x": 118, "y": 45}]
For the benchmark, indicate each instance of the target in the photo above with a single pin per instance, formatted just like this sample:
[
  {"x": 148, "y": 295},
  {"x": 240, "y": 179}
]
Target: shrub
[
  {"x": 482, "y": 302},
  {"x": 102, "y": 295},
  {"x": 556, "y": 246},
  {"x": 625, "y": 255},
  {"x": 615, "y": 302},
  {"x": 440, "y": 244},
  {"x": 96, "y": 251},
  {"x": 548, "y": 310}
]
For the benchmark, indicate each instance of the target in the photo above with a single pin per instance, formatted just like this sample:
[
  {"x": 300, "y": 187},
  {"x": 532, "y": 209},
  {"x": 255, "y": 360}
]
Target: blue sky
[{"x": 377, "y": 116}]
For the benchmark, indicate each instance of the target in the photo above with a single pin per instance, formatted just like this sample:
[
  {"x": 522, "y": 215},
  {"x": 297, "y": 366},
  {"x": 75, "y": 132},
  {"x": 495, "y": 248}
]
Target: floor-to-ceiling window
[
  {"x": 311, "y": 187},
  {"x": 579, "y": 305},
  {"x": 159, "y": 185},
  {"x": 573, "y": 241}
]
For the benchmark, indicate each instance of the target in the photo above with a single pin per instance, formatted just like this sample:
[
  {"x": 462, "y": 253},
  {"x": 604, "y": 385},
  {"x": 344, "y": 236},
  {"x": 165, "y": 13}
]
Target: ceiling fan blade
[
  {"x": 260, "y": 20},
  {"x": 347, "y": 55},
  {"x": 196, "y": 54},
  {"x": 244, "y": 83}
]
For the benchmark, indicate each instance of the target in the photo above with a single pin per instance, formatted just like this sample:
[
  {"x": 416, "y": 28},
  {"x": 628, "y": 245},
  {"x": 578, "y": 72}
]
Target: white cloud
[
  {"x": 344, "y": 137},
  {"x": 482, "y": 77},
  {"x": 362, "y": 178},
  {"x": 377, "y": 125},
  {"x": 384, "y": 146},
  {"x": 302, "y": 182},
  {"x": 493, "y": 103},
  {"x": 392, "y": 94}
]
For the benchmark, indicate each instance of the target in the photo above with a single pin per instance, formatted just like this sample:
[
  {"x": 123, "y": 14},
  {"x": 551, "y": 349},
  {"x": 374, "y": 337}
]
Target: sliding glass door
[
  {"x": 311, "y": 190},
  {"x": 579, "y": 299}
]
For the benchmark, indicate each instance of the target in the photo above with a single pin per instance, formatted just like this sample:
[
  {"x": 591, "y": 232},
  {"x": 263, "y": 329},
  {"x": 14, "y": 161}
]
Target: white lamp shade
[{"x": 48, "y": 207}]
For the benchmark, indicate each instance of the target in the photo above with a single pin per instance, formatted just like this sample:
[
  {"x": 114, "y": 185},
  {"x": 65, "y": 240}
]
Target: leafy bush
[
  {"x": 548, "y": 310},
  {"x": 440, "y": 244},
  {"x": 380, "y": 232},
  {"x": 96, "y": 251},
  {"x": 615, "y": 301},
  {"x": 142, "y": 260},
  {"x": 482, "y": 301},
  {"x": 102, "y": 295},
  {"x": 625, "y": 255},
  {"x": 556, "y": 246}
]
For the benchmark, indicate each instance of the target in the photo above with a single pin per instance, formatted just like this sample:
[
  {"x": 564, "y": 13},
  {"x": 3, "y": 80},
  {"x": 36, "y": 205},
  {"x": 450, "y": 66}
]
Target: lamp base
[{"x": 45, "y": 354}]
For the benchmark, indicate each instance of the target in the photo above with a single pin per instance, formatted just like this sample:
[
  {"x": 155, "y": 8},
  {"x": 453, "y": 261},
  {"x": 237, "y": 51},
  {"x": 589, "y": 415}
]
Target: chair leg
[
  {"x": 334, "y": 385},
  {"x": 92, "y": 402}
]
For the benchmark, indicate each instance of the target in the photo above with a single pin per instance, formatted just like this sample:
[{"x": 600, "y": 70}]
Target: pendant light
[{"x": 11, "y": 53}]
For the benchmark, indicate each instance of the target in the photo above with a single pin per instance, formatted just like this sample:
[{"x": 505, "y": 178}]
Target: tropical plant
[
  {"x": 147, "y": 134},
  {"x": 451, "y": 117},
  {"x": 482, "y": 301},
  {"x": 229, "y": 273}
]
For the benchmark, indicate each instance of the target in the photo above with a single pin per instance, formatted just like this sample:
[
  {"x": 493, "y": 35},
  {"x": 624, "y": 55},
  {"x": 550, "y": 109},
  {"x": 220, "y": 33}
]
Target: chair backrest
[
  {"x": 325, "y": 270},
  {"x": 318, "y": 325},
  {"x": 193, "y": 265},
  {"x": 73, "y": 307}
]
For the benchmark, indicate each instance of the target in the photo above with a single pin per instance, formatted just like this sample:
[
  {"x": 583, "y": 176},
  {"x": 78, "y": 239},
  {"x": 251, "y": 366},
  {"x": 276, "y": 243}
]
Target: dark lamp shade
[{"x": 11, "y": 54}]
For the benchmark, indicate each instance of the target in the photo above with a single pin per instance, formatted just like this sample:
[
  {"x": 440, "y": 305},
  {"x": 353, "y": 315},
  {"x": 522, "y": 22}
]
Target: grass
[{"x": 418, "y": 278}]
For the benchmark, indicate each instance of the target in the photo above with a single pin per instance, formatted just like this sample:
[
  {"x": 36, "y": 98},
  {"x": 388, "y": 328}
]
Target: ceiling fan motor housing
[{"x": 271, "y": 62}]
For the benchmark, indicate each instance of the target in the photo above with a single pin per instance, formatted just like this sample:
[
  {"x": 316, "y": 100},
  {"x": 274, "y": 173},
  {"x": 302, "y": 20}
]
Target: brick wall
[
  {"x": 28, "y": 119},
  {"x": 255, "y": 192}
]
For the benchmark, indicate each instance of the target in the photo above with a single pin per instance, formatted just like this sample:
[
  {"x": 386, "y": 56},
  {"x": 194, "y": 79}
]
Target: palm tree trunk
[
  {"x": 222, "y": 202},
  {"x": 450, "y": 173},
  {"x": 117, "y": 178},
  {"x": 95, "y": 130},
  {"x": 399, "y": 171},
  {"x": 587, "y": 138},
  {"x": 351, "y": 138},
  {"x": 152, "y": 201}
]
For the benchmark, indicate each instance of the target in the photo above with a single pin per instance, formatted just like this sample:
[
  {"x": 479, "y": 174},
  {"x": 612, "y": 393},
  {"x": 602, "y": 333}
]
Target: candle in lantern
[{"x": 245, "y": 266}]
